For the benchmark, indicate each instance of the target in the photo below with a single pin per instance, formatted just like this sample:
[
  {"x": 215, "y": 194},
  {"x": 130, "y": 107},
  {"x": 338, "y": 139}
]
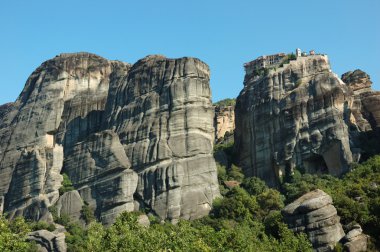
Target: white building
[{"x": 298, "y": 52}]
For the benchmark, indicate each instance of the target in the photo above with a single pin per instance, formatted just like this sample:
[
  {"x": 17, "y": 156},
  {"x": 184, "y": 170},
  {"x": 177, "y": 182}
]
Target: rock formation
[
  {"x": 224, "y": 121},
  {"x": 164, "y": 117},
  {"x": 314, "y": 214},
  {"x": 355, "y": 240},
  {"x": 293, "y": 116},
  {"x": 366, "y": 105},
  {"x": 128, "y": 137},
  {"x": 48, "y": 241}
]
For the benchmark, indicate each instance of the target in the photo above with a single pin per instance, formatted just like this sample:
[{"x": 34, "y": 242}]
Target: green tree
[
  {"x": 254, "y": 186},
  {"x": 235, "y": 173},
  {"x": 13, "y": 235}
]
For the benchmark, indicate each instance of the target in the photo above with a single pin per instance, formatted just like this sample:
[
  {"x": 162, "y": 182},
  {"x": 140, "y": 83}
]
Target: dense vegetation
[
  {"x": 13, "y": 235},
  {"x": 226, "y": 102},
  {"x": 247, "y": 218}
]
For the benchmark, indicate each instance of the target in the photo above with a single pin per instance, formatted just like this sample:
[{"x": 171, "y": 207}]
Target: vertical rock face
[
  {"x": 123, "y": 134},
  {"x": 314, "y": 214},
  {"x": 164, "y": 117},
  {"x": 224, "y": 121},
  {"x": 366, "y": 105},
  {"x": 100, "y": 170},
  {"x": 293, "y": 116},
  {"x": 32, "y": 150}
]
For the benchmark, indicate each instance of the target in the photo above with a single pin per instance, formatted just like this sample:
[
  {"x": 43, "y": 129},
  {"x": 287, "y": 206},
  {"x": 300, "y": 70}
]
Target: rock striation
[
  {"x": 293, "y": 116},
  {"x": 128, "y": 137},
  {"x": 314, "y": 214},
  {"x": 163, "y": 115}
]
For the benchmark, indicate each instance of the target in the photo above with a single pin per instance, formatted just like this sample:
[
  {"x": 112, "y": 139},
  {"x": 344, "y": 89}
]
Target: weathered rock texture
[
  {"x": 127, "y": 136},
  {"x": 48, "y": 241},
  {"x": 32, "y": 151},
  {"x": 164, "y": 117},
  {"x": 366, "y": 102},
  {"x": 293, "y": 116},
  {"x": 70, "y": 204},
  {"x": 224, "y": 121},
  {"x": 314, "y": 214},
  {"x": 355, "y": 240}
]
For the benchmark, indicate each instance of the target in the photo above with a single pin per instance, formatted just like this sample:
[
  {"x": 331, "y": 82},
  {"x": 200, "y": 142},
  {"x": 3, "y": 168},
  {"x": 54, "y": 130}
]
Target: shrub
[
  {"x": 67, "y": 186},
  {"x": 87, "y": 213},
  {"x": 40, "y": 225},
  {"x": 235, "y": 173}
]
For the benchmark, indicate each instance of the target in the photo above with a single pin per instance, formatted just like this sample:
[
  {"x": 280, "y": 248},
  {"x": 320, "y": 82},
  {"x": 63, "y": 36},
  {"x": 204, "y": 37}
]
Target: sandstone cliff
[
  {"x": 128, "y": 137},
  {"x": 366, "y": 102},
  {"x": 293, "y": 116},
  {"x": 224, "y": 121}
]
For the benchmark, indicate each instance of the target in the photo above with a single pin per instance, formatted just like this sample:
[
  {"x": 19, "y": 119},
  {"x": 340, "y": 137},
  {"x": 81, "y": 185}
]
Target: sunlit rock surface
[
  {"x": 128, "y": 137},
  {"x": 293, "y": 116}
]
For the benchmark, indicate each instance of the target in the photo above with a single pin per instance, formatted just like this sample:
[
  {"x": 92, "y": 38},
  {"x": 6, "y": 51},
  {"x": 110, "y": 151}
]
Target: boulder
[
  {"x": 355, "y": 240},
  {"x": 70, "y": 204},
  {"x": 143, "y": 220},
  {"x": 314, "y": 214},
  {"x": 48, "y": 241}
]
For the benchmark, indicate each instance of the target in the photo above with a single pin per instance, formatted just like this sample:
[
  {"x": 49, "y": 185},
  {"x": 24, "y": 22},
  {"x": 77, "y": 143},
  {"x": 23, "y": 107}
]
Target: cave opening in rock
[{"x": 315, "y": 164}]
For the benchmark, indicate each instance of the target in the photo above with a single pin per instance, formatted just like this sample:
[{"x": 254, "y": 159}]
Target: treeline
[
  {"x": 226, "y": 102},
  {"x": 247, "y": 218}
]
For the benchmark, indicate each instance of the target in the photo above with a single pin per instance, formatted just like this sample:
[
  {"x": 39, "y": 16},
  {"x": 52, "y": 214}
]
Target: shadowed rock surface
[
  {"x": 127, "y": 136},
  {"x": 32, "y": 152},
  {"x": 365, "y": 112},
  {"x": 314, "y": 214},
  {"x": 293, "y": 116}
]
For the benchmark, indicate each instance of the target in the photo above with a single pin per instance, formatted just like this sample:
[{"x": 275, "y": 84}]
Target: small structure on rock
[
  {"x": 265, "y": 61},
  {"x": 298, "y": 52}
]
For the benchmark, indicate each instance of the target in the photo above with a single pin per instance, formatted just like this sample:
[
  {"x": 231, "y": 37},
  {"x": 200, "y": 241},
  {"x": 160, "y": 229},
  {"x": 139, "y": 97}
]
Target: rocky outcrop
[
  {"x": 128, "y": 137},
  {"x": 224, "y": 121},
  {"x": 293, "y": 116},
  {"x": 70, "y": 204},
  {"x": 48, "y": 241},
  {"x": 366, "y": 105},
  {"x": 355, "y": 240},
  {"x": 314, "y": 214}
]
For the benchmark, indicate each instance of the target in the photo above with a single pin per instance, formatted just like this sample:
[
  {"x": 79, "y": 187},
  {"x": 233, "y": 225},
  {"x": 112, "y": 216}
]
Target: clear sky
[{"x": 224, "y": 34}]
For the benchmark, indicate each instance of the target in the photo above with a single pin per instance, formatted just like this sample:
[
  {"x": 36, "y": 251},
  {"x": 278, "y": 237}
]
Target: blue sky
[{"x": 224, "y": 34}]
